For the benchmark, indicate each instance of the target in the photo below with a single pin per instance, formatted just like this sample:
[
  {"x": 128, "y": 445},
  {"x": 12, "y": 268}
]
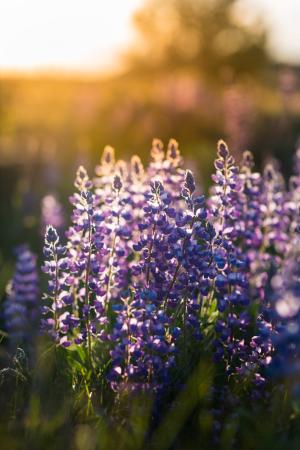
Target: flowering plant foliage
[
  {"x": 149, "y": 267},
  {"x": 151, "y": 274}
]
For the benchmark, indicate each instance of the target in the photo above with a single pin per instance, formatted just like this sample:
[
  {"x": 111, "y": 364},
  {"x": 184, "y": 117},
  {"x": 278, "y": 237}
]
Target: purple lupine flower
[
  {"x": 118, "y": 222},
  {"x": 275, "y": 222},
  {"x": 52, "y": 213},
  {"x": 137, "y": 171},
  {"x": 148, "y": 267},
  {"x": 137, "y": 188},
  {"x": 54, "y": 298},
  {"x": 173, "y": 172},
  {"x": 72, "y": 269},
  {"x": 248, "y": 225},
  {"x": 141, "y": 354},
  {"x": 165, "y": 297},
  {"x": 292, "y": 204},
  {"x": 285, "y": 363},
  {"x": 22, "y": 306},
  {"x": 261, "y": 206},
  {"x": 272, "y": 222},
  {"x": 231, "y": 281},
  {"x": 105, "y": 172},
  {"x": 139, "y": 341},
  {"x": 225, "y": 191},
  {"x": 248, "y": 228},
  {"x": 166, "y": 167},
  {"x": 84, "y": 236}
]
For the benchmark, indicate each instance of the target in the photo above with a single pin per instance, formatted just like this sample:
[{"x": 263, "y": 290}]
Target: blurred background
[{"x": 76, "y": 75}]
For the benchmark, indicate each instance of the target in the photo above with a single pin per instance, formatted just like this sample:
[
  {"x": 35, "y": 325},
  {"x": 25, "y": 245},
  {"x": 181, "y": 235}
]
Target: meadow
[
  {"x": 158, "y": 317},
  {"x": 149, "y": 287}
]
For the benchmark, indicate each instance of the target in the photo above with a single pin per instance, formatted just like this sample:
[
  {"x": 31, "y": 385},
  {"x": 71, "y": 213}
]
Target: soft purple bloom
[
  {"x": 150, "y": 268},
  {"x": 22, "y": 304},
  {"x": 52, "y": 213}
]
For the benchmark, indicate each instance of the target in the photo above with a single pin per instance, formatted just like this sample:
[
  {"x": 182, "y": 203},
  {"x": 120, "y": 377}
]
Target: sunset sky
[{"x": 89, "y": 34}]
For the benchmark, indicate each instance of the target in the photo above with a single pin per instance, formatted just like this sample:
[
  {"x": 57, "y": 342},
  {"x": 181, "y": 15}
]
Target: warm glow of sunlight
[
  {"x": 63, "y": 34},
  {"x": 85, "y": 35}
]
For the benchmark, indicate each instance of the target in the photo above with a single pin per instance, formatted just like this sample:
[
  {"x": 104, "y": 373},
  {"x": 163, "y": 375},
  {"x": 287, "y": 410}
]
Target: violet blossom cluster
[
  {"x": 22, "y": 303},
  {"x": 228, "y": 205},
  {"x": 285, "y": 286},
  {"x": 285, "y": 363},
  {"x": 149, "y": 270}
]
